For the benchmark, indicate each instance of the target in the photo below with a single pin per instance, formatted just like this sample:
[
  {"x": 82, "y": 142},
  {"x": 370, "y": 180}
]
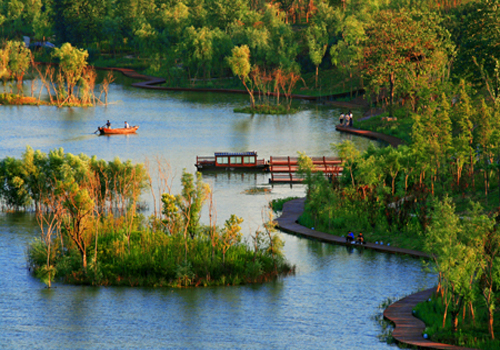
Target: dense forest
[{"x": 398, "y": 48}]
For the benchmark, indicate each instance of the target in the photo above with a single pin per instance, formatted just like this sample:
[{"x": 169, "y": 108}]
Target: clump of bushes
[{"x": 93, "y": 234}]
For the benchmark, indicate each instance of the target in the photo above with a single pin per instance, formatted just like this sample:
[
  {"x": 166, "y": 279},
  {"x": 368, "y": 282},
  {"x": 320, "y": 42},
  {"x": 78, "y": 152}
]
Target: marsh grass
[
  {"x": 266, "y": 109},
  {"x": 385, "y": 336},
  {"x": 257, "y": 190},
  {"x": 158, "y": 260}
]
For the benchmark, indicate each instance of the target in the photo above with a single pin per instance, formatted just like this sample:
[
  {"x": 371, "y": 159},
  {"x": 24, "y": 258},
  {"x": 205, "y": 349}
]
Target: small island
[{"x": 93, "y": 233}]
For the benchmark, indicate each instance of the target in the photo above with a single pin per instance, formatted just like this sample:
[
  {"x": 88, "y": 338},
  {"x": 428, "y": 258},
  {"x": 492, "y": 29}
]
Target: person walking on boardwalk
[{"x": 341, "y": 119}]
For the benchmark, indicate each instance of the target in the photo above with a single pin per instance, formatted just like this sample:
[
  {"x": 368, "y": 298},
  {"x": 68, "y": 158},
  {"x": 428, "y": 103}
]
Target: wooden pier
[{"x": 284, "y": 169}]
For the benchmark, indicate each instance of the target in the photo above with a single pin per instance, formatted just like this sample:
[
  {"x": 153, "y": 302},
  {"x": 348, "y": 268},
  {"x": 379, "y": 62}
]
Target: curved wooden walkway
[
  {"x": 288, "y": 222},
  {"x": 393, "y": 141},
  {"x": 408, "y": 329}
]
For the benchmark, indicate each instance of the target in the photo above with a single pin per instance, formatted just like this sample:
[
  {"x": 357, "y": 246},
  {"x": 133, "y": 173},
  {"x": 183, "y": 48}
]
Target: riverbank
[
  {"x": 408, "y": 328},
  {"x": 150, "y": 82},
  {"x": 292, "y": 210}
]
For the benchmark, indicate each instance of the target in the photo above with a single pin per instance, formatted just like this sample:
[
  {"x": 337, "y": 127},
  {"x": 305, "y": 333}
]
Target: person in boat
[
  {"x": 126, "y": 125},
  {"x": 341, "y": 119},
  {"x": 350, "y": 119},
  {"x": 108, "y": 124},
  {"x": 361, "y": 239},
  {"x": 350, "y": 237}
]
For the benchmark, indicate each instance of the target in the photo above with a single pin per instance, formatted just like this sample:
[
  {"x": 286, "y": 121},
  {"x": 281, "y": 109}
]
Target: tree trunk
[
  {"x": 454, "y": 321},
  {"x": 317, "y": 76},
  {"x": 490, "y": 323},
  {"x": 252, "y": 100},
  {"x": 391, "y": 93},
  {"x": 84, "y": 260}
]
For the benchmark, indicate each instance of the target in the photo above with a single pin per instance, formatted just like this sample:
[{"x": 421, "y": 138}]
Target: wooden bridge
[{"x": 284, "y": 169}]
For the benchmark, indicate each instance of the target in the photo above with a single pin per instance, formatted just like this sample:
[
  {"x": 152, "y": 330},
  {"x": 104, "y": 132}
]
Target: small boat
[
  {"x": 234, "y": 161},
  {"x": 108, "y": 131}
]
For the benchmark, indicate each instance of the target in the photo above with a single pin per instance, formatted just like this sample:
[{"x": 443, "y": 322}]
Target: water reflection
[{"x": 334, "y": 291}]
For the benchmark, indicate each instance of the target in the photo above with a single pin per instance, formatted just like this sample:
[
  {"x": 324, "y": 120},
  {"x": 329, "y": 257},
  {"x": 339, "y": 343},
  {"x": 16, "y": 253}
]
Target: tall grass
[{"x": 156, "y": 259}]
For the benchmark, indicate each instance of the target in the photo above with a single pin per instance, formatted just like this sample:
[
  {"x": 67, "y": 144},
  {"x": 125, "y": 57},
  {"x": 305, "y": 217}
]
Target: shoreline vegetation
[
  {"x": 93, "y": 233},
  {"x": 439, "y": 194},
  {"x": 436, "y": 85},
  {"x": 71, "y": 84}
]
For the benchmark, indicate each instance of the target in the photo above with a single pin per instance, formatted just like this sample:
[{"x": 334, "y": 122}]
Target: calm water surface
[{"x": 328, "y": 304}]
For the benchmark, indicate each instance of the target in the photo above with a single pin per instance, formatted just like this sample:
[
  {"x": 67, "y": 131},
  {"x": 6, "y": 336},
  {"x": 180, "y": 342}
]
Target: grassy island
[
  {"x": 93, "y": 233},
  {"x": 265, "y": 109}
]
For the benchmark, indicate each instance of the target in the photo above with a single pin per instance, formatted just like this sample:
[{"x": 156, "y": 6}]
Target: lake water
[{"x": 328, "y": 304}]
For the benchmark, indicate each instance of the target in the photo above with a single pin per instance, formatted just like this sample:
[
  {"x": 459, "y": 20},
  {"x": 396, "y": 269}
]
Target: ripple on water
[{"x": 327, "y": 305}]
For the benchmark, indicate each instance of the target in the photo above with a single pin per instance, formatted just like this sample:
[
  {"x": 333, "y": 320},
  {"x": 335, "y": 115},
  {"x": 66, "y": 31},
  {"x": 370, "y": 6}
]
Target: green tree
[
  {"x": 348, "y": 152},
  {"x": 455, "y": 261},
  {"x": 317, "y": 42},
  {"x": 348, "y": 52},
  {"x": 463, "y": 141},
  {"x": 19, "y": 62},
  {"x": 399, "y": 53},
  {"x": 191, "y": 200},
  {"x": 72, "y": 63},
  {"x": 239, "y": 62},
  {"x": 484, "y": 237},
  {"x": 221, "y": 13},
  {"x": 474, "y": 29},
  {"x": 392, "y": 165},
  {"x": 230, "y": 235},
  {"x": 79, "y": 21}
]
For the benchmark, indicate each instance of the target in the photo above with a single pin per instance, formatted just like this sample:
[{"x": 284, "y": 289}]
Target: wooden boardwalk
[
  {"x": 408, "y": 328},
  {"x": 288, "y": 222},
  {"x": 284, "y": 169},
  {"x": 393, "y": 141}
]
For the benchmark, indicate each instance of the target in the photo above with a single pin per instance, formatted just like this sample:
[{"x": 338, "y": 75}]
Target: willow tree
[{"x": 240, "y": 65}]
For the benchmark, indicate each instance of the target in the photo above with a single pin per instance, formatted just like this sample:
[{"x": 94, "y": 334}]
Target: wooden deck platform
[
  {"x": 408, "y": 328},
  {"x": 284, "y": 169}
]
